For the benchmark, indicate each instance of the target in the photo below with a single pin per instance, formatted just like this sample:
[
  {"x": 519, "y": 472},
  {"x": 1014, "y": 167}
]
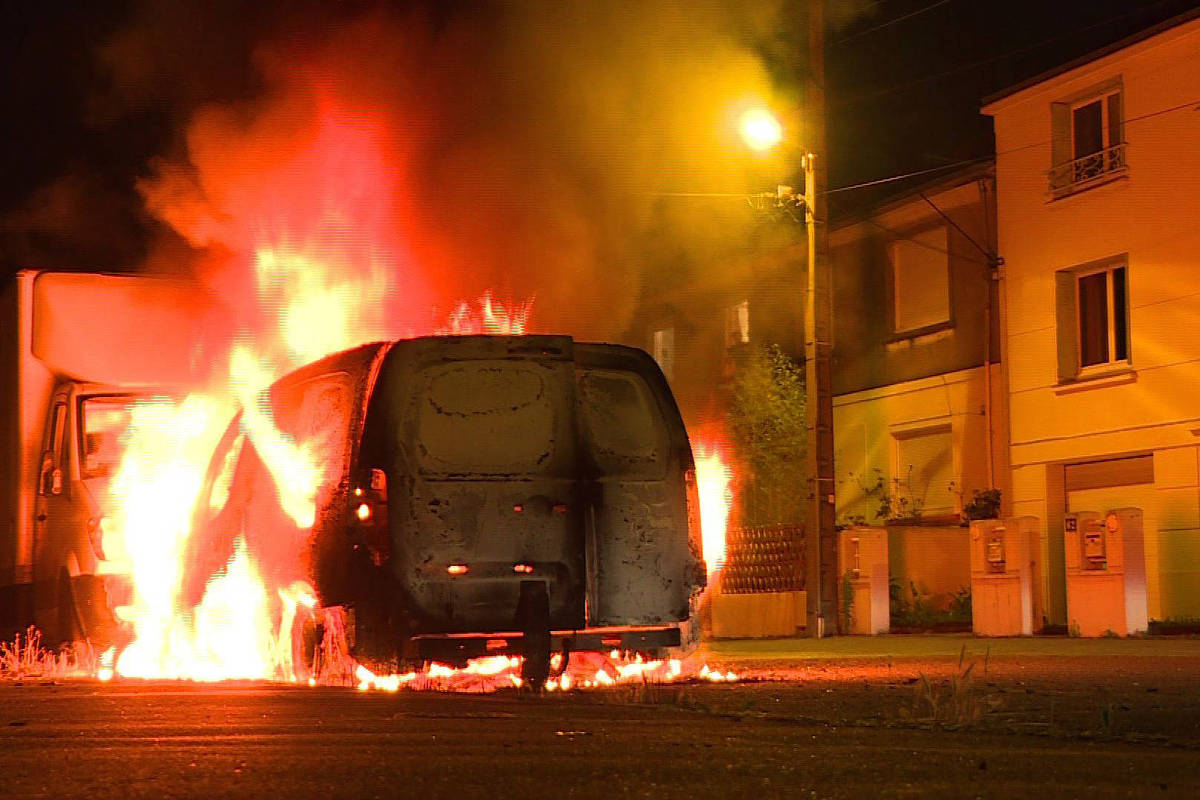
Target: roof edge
[
  {"x": 984, "y": 168},
  {"x": 1095, "y": 55}
]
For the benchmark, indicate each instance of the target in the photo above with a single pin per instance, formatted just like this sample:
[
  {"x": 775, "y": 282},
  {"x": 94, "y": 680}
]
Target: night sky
[
  {"x": 94, "y": 93},
  {"x": 906, "y": 81}
]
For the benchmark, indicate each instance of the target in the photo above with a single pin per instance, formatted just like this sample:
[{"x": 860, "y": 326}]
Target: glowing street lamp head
[{"x": 760, "y": 129}]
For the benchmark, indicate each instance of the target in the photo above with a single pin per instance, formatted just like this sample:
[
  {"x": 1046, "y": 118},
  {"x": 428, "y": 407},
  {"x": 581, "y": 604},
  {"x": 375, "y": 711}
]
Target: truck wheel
[{"x": 533, "y": 616}]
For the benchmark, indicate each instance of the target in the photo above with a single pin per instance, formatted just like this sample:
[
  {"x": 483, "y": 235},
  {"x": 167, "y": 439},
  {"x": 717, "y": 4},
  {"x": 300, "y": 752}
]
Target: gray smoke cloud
[{"x": 528, "y": 148}]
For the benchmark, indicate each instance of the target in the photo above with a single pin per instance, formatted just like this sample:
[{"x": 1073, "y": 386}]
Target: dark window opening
[
  {"x": 1089, "y": 129},
  {"x": 1093, "y": 319},
  {"x": 1103, "y": 335}
]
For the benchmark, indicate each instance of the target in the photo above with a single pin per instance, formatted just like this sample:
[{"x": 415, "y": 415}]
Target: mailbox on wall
[
  {"x": 863, "y": 561},
  {"x": 1106, "y": 572},
  {"x": 1005, "y": 576}
]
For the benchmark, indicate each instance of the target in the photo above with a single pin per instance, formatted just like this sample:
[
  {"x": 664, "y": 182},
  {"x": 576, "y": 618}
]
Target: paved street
[{"x": 804, "y": 723}]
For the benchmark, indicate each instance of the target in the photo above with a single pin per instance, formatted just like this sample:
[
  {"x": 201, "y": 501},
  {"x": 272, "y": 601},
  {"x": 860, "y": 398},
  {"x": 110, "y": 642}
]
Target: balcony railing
[{"x": 1082, "y": 172}]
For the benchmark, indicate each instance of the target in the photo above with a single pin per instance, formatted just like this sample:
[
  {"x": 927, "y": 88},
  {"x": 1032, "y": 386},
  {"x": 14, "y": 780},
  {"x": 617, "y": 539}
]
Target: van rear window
[
  {"x": 490, "y": 418},
  {"x": 625, "y": 429}
]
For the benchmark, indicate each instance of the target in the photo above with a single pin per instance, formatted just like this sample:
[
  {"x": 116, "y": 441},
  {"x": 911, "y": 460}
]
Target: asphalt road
[{"x": 132, "y": 740}]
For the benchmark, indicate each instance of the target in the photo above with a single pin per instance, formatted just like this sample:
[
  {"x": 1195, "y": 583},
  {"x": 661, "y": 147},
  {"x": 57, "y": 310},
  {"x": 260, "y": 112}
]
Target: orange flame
[
  {"x": 583, "y": 671},
  {"x": 306, "y": 239},
  {"x": 713, "y": 479},
  {"x": 307, "y": 252}
]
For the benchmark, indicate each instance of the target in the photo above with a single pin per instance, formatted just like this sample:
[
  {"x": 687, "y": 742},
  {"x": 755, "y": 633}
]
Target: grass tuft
[
  {"x": 959, "y": 703},
  {"x": 26, "y": 657}
]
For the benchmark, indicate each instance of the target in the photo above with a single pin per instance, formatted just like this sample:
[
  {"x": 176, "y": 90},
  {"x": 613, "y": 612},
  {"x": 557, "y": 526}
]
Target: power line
[
  {"x": 944, "y": 251},
  {"x": 990, "y": 256},
  {"x": 1191, "y": 104},
  {"x": 991, "y": 60},
  {"x": 902, "y": 176},
  {"x": 890, "y": 22}
]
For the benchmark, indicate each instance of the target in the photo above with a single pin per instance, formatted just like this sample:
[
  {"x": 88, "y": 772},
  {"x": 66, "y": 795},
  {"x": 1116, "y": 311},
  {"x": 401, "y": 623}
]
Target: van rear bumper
[{"x": 458, "y": 647}]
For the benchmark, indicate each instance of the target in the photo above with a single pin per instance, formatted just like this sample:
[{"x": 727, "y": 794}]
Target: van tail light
[{"x": 368, "y": 511}]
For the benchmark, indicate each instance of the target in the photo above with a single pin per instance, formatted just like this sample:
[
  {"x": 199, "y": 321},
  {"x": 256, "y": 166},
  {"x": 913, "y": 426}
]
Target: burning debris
[{"x": 585, "y": 671}]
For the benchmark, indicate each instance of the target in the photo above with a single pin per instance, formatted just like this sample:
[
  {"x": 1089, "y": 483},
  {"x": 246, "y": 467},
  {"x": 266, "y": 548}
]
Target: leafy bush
[
  {"x": 985, "y": 504},
  {"x": 767, "y": 423}
]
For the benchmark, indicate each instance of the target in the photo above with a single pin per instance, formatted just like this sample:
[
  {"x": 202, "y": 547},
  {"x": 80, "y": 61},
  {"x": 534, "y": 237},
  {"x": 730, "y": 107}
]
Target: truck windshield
[{"x": 103, "y": 421}]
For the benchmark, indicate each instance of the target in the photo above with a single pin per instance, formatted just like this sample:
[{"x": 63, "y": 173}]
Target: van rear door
[
  {"x": 483, "y": 479},
  {"x": 643, "y": 565}
]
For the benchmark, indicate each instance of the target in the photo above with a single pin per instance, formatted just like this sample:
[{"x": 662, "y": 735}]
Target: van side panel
[
  {"x": 326, "y": 408},
  {"x": 321, "y": 407}
]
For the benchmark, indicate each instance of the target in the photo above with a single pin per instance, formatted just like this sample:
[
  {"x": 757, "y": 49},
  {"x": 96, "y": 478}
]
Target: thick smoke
[
  {"x": 439, "y": 149},
  {"x": 520, "y": 148}
]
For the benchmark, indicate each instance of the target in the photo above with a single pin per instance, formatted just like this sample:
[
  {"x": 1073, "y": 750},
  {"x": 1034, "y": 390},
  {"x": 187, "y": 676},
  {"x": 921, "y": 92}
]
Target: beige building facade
[
  {"x": 1098, "y": 169},
  {"x": 918, "y": 410}
]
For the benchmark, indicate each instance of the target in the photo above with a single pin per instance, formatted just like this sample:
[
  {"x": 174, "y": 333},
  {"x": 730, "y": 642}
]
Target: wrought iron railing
[{"x": 1072, "y": 175}]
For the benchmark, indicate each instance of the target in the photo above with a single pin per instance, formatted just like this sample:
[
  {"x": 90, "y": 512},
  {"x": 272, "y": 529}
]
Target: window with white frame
[
  {"x": 1088, "y": 138},
  {"x": 1093, "y": 318},
  {"x": 921, "y": 280},
  {"x": 737, "y": 324},
  {"x": 663, "y": 349}
]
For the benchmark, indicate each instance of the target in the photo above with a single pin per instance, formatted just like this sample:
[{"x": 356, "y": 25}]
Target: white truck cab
[{"x": 76, "y": 350}]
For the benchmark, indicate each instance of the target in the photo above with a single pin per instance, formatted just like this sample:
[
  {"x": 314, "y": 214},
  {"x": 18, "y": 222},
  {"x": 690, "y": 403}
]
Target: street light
[{"x": 761, "y": 131}]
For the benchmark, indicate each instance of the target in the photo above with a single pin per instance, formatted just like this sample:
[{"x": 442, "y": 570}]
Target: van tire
[{"x": 533, "y": 616}]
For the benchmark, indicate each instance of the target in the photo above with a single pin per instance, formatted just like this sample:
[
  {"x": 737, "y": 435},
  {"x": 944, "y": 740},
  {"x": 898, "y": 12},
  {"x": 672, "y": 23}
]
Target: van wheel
[{"x": 533, "y": 616}]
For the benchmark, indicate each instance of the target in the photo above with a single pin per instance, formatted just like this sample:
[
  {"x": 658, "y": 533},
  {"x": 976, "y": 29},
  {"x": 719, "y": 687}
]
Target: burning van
[{"x": 474, "y": 495}]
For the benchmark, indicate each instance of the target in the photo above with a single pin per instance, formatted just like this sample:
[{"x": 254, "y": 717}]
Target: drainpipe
[
  {"x": 994, "y": 264},
  {"x": 987, "y": 377}
]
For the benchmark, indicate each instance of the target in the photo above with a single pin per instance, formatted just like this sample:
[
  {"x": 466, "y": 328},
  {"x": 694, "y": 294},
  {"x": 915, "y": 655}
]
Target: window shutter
[
  {"x": 1060, "y": 144},
  {"x": 1116, "y": 120},
  {"x": 1064, "y": 303}
]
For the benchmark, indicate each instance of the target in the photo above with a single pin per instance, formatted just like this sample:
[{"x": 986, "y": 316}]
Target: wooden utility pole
[{"x": 821, "y": 578}]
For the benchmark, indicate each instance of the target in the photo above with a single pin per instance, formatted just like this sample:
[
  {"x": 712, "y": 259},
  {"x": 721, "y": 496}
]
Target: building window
[
  {"x": 1088, "y": 139},
  {"x": 1093, "y": 318},
  {"x": 921, "y": 280},
  {"x": 737, "y": 324},
  {"x": 663, "y": 349},
  {"x": 924, "y": 472}
]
